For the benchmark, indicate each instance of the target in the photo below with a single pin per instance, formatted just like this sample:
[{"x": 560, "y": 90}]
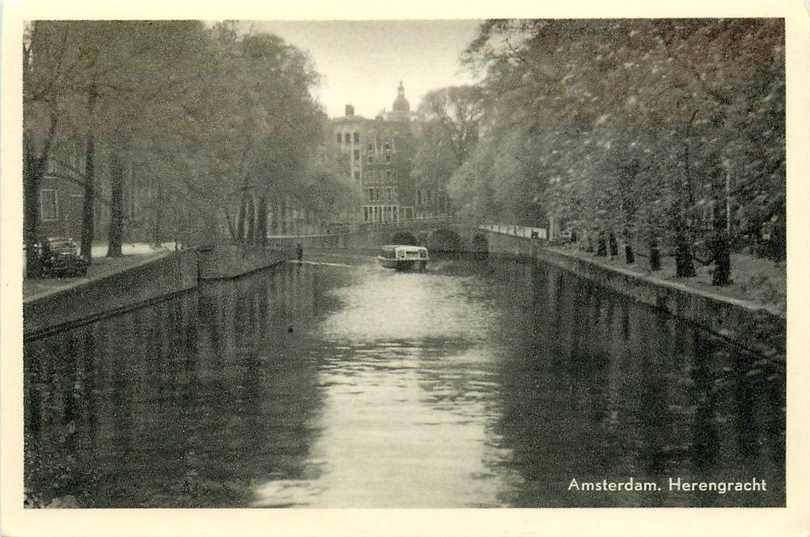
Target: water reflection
[{"x": 475, "y": 384}]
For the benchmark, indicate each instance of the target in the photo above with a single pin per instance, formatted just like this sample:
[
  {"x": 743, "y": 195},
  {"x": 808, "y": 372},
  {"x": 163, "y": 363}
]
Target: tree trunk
[
  {"x": 89, "y": 201},
  {"x": 88, "y": 204},
  {"x": 34, "y": 167},
  {"x": 31, "y": 180},
  {"x": 655, "y": 256},
  {"x": 261, "y": 230},
  {"x": 251, "y": 221},
  {"x": 722, "y": 260},
  {"x": 229, "y": 221},
  {"x": 684, "y": 264},
  {"x": 283, "y": 217},
  {"x": 156, "y": 229},
  {"x": 778, "y": 240},
  {"x": 240, "y": 222},
  {"x": 601, "y": 246},
  {"x": 116, "y": 233}
]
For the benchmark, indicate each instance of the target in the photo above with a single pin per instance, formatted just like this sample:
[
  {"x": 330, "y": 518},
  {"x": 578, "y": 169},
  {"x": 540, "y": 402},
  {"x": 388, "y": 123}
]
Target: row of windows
[
  {"x": 372, "y": 147},
  {"x": 426, "y": 197},
  {"x": 347, "y": 137},
  {"x": 371, "y": 158},
  {"x": 376, "y": 176},
  {"x": 382, "y": 194},
  {"x": 381, "y": 213}
]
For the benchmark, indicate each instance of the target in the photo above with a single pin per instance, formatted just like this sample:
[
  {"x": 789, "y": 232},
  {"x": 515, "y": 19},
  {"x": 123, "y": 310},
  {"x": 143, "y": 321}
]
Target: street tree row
[
  {"x": 667, "y": 134},
  {"x": 222, "y": 123}
]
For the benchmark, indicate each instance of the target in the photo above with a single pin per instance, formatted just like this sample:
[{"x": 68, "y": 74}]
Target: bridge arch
[
  {"x": 404, "y": 237},
  {"x": 444, "y": 240}
]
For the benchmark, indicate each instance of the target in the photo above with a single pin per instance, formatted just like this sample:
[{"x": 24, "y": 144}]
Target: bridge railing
[
  {"x": 372, "y": 226},
  {"x": 517, "y": 231}
]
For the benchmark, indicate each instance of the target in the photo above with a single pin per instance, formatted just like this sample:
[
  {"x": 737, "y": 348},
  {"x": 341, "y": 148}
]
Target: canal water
[{"x": 337, "y": 383}]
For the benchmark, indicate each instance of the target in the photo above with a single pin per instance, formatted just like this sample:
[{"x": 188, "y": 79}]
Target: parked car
[{"x": 60, "y": 257}]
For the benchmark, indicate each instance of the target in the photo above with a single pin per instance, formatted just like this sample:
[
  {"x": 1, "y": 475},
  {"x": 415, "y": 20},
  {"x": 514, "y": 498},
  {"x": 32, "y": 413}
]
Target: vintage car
[
  {"x": 60, "y": 257},
  {"x": 404, "y": 257}
]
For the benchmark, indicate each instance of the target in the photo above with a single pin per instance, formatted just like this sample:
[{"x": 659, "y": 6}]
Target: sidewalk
[
  {"x": 102, "y": 266},
  {"x": 754, "y": 279}
]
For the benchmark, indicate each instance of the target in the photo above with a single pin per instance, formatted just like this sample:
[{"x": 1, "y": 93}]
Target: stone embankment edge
[
  {"x": 744, "y": 323},
  {"x": 143, "y": 284}
]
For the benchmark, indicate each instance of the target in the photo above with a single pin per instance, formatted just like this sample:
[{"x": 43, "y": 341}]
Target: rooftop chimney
[{"x": 349, "y": 110}]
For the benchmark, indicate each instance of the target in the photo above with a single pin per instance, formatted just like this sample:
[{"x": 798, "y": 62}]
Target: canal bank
[
  {"x": 155, "y": 278},
  {"x": 489, "y": 385},
  {"x": 743, "y": 322}
]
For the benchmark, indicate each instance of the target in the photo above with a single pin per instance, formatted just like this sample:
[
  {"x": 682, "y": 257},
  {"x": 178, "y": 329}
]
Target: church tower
[{"x": 401, "y": 109}]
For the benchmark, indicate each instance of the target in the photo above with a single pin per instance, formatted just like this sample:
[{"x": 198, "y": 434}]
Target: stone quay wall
[
  {"x": 153, "y": 280},
  {"x": 150, "y": 281},
  {"x": 744, "y": 323}
]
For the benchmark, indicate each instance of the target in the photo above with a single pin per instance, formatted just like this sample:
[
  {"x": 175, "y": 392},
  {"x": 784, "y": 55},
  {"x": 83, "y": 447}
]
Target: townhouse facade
[{"x": 378, "y": 154}]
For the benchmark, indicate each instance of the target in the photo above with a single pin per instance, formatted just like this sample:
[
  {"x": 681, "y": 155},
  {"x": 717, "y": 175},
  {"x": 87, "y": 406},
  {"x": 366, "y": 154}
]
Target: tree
[
  {"x": 46, "y": 71},
  {"x": 630, "y": 120},
  {"x": 208, "y": 117}
]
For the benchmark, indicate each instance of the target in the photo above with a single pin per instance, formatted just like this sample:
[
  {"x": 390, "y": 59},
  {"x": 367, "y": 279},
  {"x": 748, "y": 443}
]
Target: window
[
  {"x": 387, "y": 175},
  {"x": 388, "y": 146},
  {"x": 48, "y": 205},
  {"x": 356, "y": 175},
  {"x": 370, "y": 194},
  {"x": 356, "y": 154},
  {"x": 370, "y": 148},
  {"x": 370, "y": 159},
  {"x": 356, "y": 137},
  {"x": 419, "y": 197},
  {"x": 365, "y": 214},
  {"x": 339, "y": 138},
  {"x": 347, "y": 138},
  {"x": 388, "y": 157}
]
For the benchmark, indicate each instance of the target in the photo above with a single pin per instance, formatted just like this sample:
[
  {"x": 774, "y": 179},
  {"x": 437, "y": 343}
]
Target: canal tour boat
[{"x": 403, "y": 257}]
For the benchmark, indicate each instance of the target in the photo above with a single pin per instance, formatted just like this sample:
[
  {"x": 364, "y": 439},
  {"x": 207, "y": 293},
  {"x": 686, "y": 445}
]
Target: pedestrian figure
[
  {"x": 299, "y": 252},
  {"x": 614, "y": 245}
]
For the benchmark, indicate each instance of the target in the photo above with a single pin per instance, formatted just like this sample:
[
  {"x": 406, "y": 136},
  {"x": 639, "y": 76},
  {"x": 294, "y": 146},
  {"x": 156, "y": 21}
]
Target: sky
[{"x": 362, "y": 62}]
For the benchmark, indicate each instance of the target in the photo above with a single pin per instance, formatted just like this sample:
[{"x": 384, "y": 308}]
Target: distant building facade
[{"x": 378, "y": 154}]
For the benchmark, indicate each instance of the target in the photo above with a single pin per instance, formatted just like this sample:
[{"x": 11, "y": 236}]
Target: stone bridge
[{"x": 437, "y": 234}]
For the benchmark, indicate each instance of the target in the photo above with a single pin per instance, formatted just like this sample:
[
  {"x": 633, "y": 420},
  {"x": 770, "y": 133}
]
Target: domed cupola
[{"x": 401, "y": 106}]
